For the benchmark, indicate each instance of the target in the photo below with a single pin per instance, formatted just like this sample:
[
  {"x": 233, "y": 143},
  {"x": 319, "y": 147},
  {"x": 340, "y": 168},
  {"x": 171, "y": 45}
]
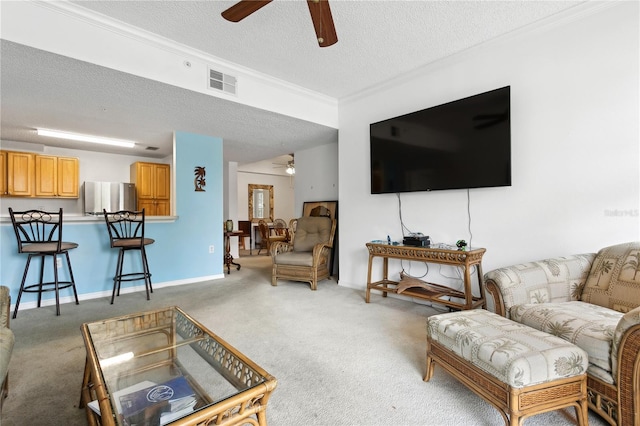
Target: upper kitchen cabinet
[
  {"x": 3, "y": 172},
  {"x": 153, "y": 187},
  {"x": 56, "y": 176},
  {"x": 24, "y": 174},
  {"x": 17, "y": 173}
]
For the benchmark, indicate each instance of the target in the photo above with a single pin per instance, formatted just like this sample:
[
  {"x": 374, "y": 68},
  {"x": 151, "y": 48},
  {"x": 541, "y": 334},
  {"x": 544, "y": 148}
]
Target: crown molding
[
  {"x": 139, "y": 35},
  {"x": 565, "y": 17}
]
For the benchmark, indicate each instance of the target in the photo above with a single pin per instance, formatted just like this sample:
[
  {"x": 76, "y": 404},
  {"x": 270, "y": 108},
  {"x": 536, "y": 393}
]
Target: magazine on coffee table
[
  {"x": 147, "y": 406},
  {"x": 148, "y": 403}
]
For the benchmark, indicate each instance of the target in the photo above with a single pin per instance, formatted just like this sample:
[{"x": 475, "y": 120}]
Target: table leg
[
  {"x": 368, "y": 293},
  {"x": 385, "y": 274},
  {"x": 481, "y": 285},
  {"x": 228, "y": 258}
]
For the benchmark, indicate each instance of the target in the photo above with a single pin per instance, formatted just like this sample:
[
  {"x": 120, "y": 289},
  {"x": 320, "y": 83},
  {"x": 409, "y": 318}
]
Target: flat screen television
[{"x": 461, "y": 144}]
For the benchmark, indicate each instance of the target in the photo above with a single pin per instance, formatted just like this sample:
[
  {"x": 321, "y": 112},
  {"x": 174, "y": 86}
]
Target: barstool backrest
[
  {"x": 126, "y": 228},
  {"x": 37, "y": 230}
]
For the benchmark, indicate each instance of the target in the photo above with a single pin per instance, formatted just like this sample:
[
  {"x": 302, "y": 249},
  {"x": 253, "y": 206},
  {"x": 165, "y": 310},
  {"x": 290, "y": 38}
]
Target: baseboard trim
[{"x": 32, "y": 304}]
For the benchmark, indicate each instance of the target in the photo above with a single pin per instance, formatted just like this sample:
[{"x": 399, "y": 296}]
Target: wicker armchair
[{"x": 306, "y": 258}]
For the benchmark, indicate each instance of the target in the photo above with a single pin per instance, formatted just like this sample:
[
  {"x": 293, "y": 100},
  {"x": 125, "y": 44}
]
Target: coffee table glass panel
[{"x": 161, "y": 367}]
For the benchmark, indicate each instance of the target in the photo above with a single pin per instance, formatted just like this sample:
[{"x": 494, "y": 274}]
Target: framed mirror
[{"x": 260, "y": 202}]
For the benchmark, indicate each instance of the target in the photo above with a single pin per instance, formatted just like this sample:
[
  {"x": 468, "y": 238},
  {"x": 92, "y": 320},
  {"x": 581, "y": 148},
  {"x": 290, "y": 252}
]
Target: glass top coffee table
[{"x": 163, "y": 367}]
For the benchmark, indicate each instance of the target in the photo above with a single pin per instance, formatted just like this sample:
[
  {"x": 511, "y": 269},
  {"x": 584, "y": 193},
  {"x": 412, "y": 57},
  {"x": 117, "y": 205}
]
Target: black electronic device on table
[{"x": 416, "y": 240}]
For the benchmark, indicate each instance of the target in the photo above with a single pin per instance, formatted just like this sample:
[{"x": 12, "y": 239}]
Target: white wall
[
  {"x": 282, "y": 193},
  {"x": 316, "y": 175},
  {"x": 575, "y": 148}
]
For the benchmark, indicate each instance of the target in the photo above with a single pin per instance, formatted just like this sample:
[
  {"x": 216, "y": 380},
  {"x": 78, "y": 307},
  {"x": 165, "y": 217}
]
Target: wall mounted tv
[{"x": 461, "y": 144}]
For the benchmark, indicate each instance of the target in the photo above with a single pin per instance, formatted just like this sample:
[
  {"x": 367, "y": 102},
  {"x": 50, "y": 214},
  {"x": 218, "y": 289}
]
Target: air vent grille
[{"x": 222, "y": 82}]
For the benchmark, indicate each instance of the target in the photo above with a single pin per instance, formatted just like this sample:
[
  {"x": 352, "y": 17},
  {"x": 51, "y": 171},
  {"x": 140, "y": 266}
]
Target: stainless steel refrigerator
[{"x": 112, "y": 196}]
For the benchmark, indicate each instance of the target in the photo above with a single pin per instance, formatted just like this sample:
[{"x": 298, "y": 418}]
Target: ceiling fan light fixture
[
  {"x": 291, "y": 169},
  {"x": 85, "y": 138}
]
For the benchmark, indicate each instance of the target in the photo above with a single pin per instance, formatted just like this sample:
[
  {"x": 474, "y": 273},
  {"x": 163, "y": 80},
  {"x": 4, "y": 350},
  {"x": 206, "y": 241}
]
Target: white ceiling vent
[{"x": 221, "y": 81}]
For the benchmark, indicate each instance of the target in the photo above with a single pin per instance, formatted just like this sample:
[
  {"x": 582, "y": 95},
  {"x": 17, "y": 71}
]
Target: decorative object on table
[
  {"x": 462, "y": 245},
  {"x": 199, "y": 181},
  {"x": 228, "y": 224}
]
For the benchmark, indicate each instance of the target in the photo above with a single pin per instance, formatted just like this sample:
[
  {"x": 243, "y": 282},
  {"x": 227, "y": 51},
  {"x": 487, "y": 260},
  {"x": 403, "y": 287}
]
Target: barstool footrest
[
  {"x": 37, "y": 288},
  {"x": 133, "y": 276}
]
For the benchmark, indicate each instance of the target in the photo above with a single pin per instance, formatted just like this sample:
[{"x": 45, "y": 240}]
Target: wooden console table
[{"x": 429, "y": 291}]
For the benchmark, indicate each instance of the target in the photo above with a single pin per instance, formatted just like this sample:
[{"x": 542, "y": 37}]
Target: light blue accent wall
[
  {"x": 181, "y": 248},
  {"x": 200, "y": 213}
]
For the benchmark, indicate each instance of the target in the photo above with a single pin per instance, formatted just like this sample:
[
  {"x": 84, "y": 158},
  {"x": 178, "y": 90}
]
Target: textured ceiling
[
  {"x": 86, "y": 98},
  {"x": 378, "y": 40}
]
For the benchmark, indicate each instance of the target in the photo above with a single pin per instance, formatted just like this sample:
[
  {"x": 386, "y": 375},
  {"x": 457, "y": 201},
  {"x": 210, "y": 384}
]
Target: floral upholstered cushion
[
  {"x": 513, "y": 353},
  {"x": 558, "y": 279},
  {"x": 589, "y": 326},
  {"x": 614, "y": 279}
]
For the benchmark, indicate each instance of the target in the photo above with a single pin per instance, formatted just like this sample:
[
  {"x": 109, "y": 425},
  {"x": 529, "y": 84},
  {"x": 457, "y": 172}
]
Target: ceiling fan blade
[
  {"x": 323, "y": 22},
  {"x": 243, "y": 8}
]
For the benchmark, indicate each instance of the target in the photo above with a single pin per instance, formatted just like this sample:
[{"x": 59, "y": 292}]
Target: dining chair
[
  {"x": 266, "y": 239},
  {"x": 245, "y": 227},
  {"x": 280, "y": 228}
]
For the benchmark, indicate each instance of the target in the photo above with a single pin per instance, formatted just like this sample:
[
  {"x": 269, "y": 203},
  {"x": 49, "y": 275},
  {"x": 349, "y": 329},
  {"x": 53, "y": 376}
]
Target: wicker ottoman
[{"x": 519, "y": 370}]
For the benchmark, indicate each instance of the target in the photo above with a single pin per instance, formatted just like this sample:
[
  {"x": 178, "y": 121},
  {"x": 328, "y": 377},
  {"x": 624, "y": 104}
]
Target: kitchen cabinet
[
  {"x": 3, "y": 172},
  {"x": 56, "y": 176},
  {"x": 25, "y": 174},
  {"x": 153, "y": 187},
  {"x": 18, "y": 174}
]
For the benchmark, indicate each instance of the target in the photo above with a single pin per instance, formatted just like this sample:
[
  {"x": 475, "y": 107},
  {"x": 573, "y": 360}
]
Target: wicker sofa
[
  {"x": 593, "y": 301},
  {"x": 7, "y": 340}
]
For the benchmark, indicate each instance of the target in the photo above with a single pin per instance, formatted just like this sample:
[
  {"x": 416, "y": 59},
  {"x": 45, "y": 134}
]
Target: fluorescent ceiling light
[{"x": 85, "y": 138}]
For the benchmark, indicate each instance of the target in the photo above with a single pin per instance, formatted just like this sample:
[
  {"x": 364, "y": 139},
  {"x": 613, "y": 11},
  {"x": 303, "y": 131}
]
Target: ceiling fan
[
  {"x": 290, "y": 166},
  {"x": 320, "y": 15}
]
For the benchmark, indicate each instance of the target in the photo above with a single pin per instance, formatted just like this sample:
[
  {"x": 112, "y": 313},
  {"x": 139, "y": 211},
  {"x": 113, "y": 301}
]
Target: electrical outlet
[
  {"x": 210, "y": 249},
  {"x": 58, "y": 263}
]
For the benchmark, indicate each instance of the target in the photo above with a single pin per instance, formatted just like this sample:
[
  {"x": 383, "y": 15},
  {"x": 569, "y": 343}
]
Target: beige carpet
[{"x": 338, "y": 360}]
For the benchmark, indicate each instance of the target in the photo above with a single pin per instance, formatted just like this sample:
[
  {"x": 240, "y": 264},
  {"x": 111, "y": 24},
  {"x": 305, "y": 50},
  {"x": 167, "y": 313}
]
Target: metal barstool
[
  {"x": 39, "y": 234},
  {"x": 126, "y": 232}
]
